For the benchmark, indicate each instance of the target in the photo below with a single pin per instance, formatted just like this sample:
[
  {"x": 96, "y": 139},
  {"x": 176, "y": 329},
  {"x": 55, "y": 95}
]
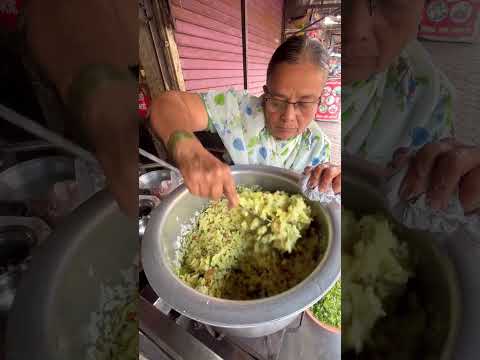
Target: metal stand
[{"x": 272, "y": 352}]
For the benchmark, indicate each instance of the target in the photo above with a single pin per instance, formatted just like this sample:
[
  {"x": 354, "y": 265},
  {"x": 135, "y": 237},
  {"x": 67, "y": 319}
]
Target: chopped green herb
[{"x": 329, "y": 309}]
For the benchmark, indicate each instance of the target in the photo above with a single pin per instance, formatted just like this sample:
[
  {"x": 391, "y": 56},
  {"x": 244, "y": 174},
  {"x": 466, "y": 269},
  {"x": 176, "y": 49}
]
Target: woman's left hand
[
  {"x": 323, "y": 176},
  {"x": 439, "y": 169}
]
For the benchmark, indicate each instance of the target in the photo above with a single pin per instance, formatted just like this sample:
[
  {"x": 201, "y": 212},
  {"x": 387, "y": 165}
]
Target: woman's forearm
[
  {"x": 204, "y": 175},
  {"x": 174, "y": 111}
]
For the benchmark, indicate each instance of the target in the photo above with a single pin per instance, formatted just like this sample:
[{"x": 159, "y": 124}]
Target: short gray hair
[{"x": 297, "y": 47}]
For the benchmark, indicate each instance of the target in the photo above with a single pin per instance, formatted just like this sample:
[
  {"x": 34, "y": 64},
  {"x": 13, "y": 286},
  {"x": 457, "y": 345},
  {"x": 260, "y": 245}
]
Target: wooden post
[
  {"x": 245, "y": 43},
  {"x": 160, "y": 26},
  {"x": 175, "y": 59},
  {"x": 170, "y": 43},
  {"x": 148, "y": 59}
]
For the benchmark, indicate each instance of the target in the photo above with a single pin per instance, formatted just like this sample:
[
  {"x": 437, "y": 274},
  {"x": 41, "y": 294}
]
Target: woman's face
[
  {"x": 302, "y": 83},
  {"x": 372, "y": 41}
]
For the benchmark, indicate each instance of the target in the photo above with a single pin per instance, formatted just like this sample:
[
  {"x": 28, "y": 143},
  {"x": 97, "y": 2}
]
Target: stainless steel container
[
  {"x": 18, "y": 236},
  {"x": 237, "y": 318},
  {"x": 152, "y": 182},
  {"x": 153, "y": 178},
  {"x": 146, "y": 203}
]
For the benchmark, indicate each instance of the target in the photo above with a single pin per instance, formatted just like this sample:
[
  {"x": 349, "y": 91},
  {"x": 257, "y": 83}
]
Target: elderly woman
[
  {"x": 396, "y": 102},
  {"x": 276, "y": 129}
]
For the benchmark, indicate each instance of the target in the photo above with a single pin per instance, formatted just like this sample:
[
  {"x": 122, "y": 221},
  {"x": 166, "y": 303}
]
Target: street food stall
[{"x": 237, "y": 330}]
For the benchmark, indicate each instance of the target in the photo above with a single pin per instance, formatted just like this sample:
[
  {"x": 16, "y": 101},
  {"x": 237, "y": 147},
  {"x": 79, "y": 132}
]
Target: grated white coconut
[{"x": 102, "y": 335}]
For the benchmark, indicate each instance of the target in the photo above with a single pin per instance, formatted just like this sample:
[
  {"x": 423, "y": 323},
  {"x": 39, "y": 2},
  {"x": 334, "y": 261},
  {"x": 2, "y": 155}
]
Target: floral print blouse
[
  {"x": 239, "y": 120},
  {"x": 409, "y": 105}
]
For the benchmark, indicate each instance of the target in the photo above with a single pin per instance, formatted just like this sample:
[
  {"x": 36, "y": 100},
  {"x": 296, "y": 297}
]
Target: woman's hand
[
  {"x": 203, "y": 173},
  {"x": 324, "y": 175},
  {"x": 439, "y": 169}
]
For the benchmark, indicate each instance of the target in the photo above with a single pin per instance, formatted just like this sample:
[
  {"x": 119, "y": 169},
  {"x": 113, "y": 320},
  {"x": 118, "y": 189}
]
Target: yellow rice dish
[{"x": 263, "y": 247}]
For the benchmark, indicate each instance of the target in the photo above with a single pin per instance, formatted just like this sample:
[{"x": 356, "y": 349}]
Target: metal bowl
[
  {"x": 152, "y": 181},
  {"x": 153, "y": 178},
  {"x": 238, "y": 318},
  {"x": 435, "y": 273}
]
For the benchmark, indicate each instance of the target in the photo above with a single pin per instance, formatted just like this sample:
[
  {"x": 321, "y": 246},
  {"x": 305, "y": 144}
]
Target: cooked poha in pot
[{"x": 263, "y": 247}]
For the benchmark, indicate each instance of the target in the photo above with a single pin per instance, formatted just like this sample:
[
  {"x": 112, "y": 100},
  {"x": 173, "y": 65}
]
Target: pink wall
[
  {"x": 264, "y": 36},
  {"x": 209, "y": 40}
]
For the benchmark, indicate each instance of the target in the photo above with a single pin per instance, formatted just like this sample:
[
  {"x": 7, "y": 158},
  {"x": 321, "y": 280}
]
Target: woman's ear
[{"x": 265, "y": 89}]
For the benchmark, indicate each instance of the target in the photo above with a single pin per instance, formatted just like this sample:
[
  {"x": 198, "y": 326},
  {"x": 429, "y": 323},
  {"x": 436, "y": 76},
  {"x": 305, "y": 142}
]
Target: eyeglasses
[{"x": 280, "y": 106}]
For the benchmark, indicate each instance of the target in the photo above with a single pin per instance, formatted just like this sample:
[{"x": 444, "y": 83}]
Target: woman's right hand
[{"x": 203, "y": 173}]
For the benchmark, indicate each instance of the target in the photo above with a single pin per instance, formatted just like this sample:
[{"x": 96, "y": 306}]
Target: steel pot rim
[{"x": 232, "y": 313}]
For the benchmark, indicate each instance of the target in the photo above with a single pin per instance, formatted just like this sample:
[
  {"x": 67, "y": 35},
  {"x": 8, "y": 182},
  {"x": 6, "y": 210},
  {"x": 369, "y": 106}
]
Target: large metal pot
[
  {"x": 361, "y": 190},
  {"x": 60, "y": 291},
  {"x": 238, "y": 318}
]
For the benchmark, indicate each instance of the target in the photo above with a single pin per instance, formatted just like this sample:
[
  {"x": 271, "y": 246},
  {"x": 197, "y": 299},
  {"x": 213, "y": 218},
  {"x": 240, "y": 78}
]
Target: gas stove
[{"x": 166, "y": 334}]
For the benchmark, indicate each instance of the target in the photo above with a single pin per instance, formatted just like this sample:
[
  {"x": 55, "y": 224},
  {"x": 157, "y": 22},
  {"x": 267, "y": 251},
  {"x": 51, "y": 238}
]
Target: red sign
[
  {"x": 144, "y": 101},
  {"x": 9, "y": 10},
  {"x": 450, "y": 20},
  {"x": 330, "y": 106}
]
